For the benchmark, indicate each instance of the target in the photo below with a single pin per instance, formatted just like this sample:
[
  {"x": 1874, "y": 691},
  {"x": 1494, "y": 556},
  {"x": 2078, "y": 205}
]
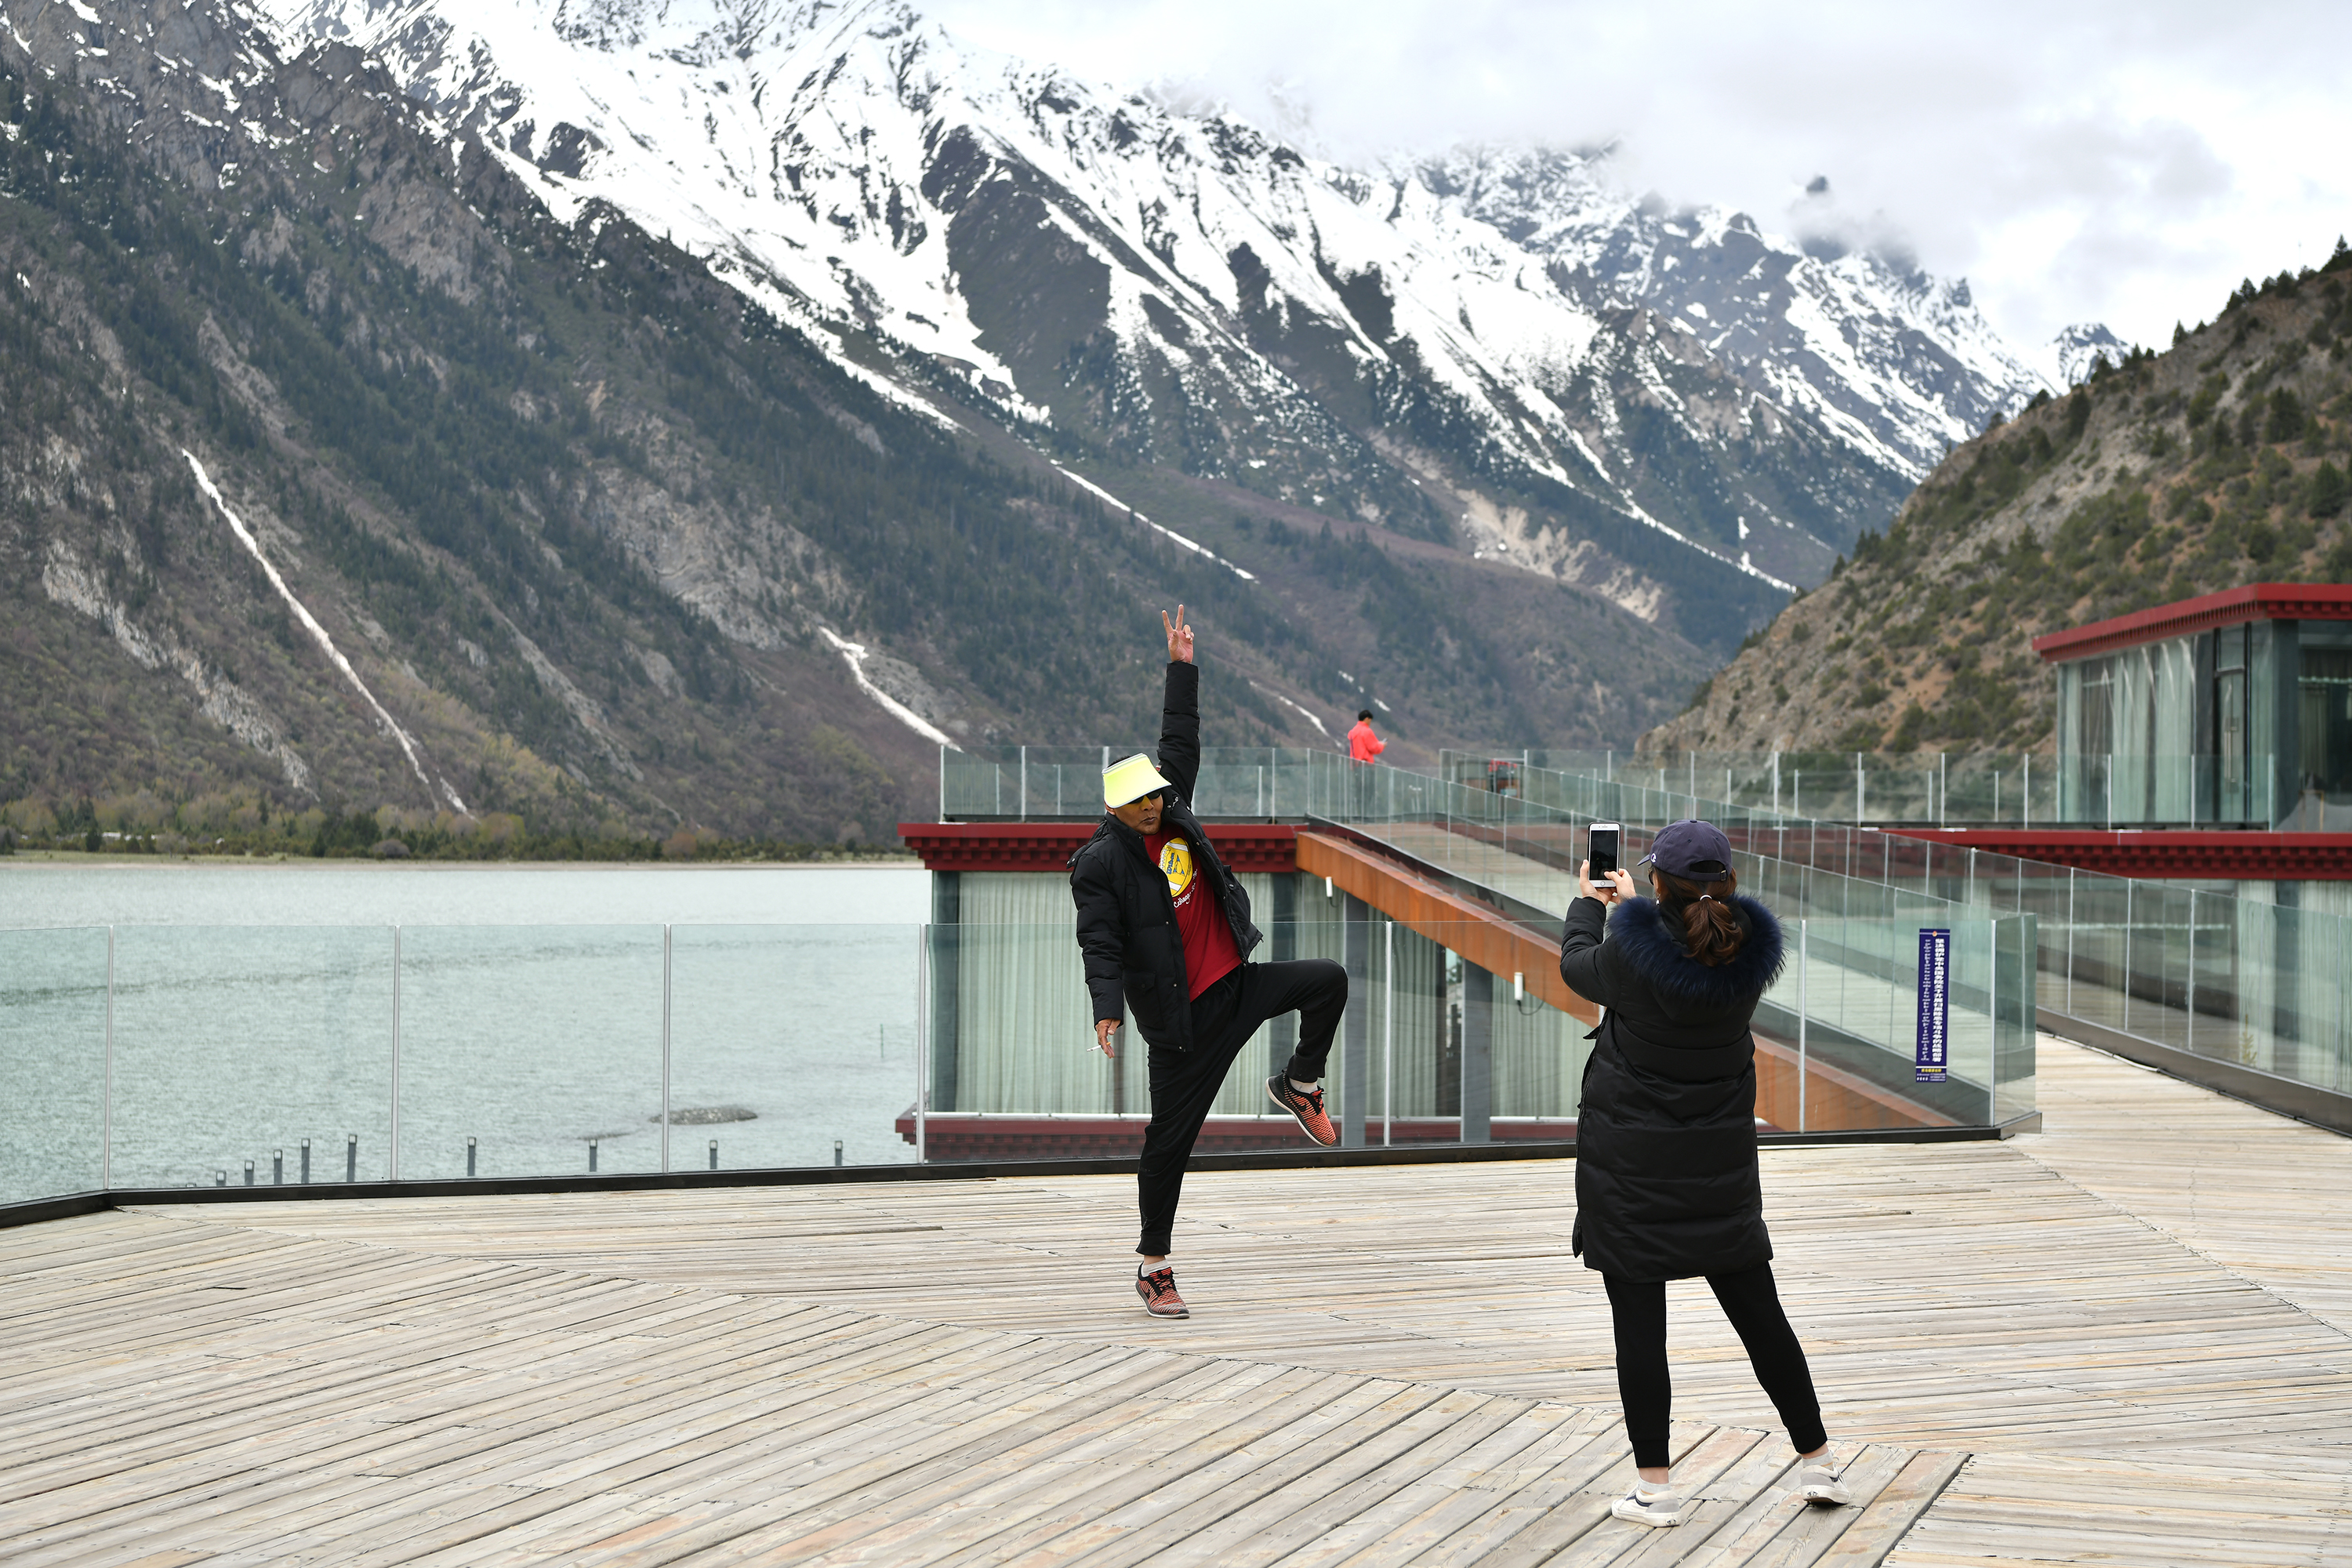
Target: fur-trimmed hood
[{"x": 1645, "y": 941}]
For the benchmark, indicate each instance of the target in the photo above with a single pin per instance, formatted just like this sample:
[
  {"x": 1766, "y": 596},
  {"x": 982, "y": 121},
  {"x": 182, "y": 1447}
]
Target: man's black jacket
[{"x": 1127, "y": 921}]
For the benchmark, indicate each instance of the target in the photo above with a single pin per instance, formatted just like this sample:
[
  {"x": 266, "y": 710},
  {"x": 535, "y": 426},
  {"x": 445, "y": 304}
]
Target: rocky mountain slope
[
  {"x": 336, "y": 471},
  {"x": 2219, "y": 462},
  {"x": 643, "y": 418}
]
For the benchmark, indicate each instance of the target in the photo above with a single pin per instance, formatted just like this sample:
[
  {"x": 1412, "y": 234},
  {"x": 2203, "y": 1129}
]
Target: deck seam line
[
  {"x": 1920, "y": 1517},
  {"x": 2297, "y": 1308}
]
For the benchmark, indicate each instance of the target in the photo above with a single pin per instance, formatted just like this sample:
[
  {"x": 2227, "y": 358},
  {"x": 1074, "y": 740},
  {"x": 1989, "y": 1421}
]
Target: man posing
[{"x": 1163, "y": 925}]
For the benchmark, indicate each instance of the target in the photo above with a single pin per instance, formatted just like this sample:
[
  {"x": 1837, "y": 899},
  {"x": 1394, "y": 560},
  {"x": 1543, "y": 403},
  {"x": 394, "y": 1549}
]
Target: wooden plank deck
[{"x": 2123, "y": 1340}]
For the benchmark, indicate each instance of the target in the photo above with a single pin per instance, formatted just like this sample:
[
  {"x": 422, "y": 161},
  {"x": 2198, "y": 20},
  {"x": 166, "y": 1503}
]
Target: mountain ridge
[
  {"x": 600, "y": 538},
  {"x": 2159, "y": 477},
  {"x": 1197, "y": 294},
  {"x": 617, "y": 531}
]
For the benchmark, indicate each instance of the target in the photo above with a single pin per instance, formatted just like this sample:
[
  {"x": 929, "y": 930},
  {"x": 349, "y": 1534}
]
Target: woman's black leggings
[{"x": 1753, "y": 1306}]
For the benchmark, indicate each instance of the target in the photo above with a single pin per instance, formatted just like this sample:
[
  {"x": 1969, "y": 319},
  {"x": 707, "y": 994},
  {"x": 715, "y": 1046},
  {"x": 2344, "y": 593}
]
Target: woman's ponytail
[{"x": 1714, "y": 931}]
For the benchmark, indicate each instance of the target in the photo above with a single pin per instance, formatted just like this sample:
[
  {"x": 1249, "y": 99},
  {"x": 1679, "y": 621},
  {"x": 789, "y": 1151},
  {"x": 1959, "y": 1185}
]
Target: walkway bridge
[{"x": 2235, "y": 984}]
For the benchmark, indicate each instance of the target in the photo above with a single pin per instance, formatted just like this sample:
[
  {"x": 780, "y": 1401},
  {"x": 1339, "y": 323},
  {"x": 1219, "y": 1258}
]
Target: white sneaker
[
  {"x": 1818, "y": 1483},
  {"x": 1660, "y": 1507}
]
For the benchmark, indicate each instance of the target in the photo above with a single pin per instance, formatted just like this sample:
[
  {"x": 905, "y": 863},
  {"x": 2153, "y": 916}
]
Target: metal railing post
[
  {"x": 2188, "y": 1026},
  {"x": 106, "y": 1131},
  {"x": 2070, "y": 941},
  {"x": 395, "y": 1053},
  {"x": 2130, "y": 932},
  {"x": 1992, "y": 1004},
  {"x": 1802, "y": 953},
  {"x": 665, "y": 1042},
  {"x": 1024, "y": 783},
  {"x": 923, "y": 1036},
  {"x": 1388, "y": 1034}
]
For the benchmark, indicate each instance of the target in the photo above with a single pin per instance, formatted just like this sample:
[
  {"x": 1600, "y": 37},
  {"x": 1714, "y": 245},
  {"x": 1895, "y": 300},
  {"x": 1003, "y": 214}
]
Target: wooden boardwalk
[{"x": 2126, "y": 1341}]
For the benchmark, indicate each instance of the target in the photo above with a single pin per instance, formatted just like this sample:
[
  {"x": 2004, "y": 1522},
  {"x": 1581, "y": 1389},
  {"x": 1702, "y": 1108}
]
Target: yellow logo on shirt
[{"x": 1176, "y": 861}]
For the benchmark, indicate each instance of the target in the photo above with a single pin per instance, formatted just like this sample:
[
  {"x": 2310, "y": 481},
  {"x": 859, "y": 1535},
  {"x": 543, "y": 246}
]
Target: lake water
[
  {"x": 141, "y": 891},
  {"x": 253, "y": 1005}
]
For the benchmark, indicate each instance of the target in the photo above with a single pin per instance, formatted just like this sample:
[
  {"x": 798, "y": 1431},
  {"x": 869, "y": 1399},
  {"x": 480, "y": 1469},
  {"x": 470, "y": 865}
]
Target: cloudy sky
[{"x": 2100, "y": 160}]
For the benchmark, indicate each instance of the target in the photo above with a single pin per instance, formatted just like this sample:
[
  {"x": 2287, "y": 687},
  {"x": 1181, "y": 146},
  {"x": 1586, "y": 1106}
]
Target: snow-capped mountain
[
  {"x": 1490, "y": 348},
  {"x": 1894, "y": 361},
  {"x": 2069, "y": 358}
]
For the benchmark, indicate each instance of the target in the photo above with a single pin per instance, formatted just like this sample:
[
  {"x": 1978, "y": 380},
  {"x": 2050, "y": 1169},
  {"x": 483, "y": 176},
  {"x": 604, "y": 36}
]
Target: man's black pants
[
  {"x": 1750, "y": 1300},
  {"x": 1184, "y": 1084}
]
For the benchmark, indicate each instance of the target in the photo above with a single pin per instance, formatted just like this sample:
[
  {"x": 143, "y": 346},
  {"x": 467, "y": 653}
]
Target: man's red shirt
[{"x": 1209, "y": 951}]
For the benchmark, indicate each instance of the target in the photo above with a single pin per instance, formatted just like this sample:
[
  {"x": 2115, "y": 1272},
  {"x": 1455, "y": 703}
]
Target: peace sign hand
[{"x": 1180, "y": 638}]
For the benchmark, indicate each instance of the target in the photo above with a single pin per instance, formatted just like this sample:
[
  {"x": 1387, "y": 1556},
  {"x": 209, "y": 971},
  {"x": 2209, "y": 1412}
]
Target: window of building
[{"x": 2326, "y": 692}]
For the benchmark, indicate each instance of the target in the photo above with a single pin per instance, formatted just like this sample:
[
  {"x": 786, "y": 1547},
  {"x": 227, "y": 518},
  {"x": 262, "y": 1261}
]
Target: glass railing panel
[
  {"x": 2098, "y": 917},
  {"x": 796, "y": 1045},
  {"x": 2004, "y": 788},
  {"x": 2155, "y": 978},
  {"x": 1432, "y": 1037},
  {"x": 1016, "y": 1073},
  {"x": 542, "y": 1044},
  {"x": 2016, "y": 1026},
  {"x": 793, "y": 1045},
  {"x": 53, "y": 996},
  {"x": 238, "y": 1043},
  {"x": 1847, "y": 1006},
  {"x": 1063, "y": 782},
  {"x": 2307, "y": 980}
]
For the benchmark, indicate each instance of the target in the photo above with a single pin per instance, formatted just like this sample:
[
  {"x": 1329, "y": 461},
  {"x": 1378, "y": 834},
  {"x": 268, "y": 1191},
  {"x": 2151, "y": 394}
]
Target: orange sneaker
[
  {"x": 1308, "y": 1107},
  {"x": 1157, "y": 1289}
]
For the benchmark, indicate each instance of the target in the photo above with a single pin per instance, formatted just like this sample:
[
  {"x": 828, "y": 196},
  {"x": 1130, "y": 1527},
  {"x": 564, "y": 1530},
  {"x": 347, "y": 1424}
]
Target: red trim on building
[
  {"x": 2185, "y": 854},
  {"x": 1048, "y": 845},
  {"x": 2231, "y": 607}
]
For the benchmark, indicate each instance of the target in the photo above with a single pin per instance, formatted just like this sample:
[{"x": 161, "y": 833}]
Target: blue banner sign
[{"x": 1935, "y": 1005}]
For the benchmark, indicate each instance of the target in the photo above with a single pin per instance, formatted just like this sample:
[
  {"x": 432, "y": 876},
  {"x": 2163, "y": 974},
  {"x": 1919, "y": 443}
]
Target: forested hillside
[
  {"x": 582, "y": 532},
  {"x": 2218, "y": 462}
]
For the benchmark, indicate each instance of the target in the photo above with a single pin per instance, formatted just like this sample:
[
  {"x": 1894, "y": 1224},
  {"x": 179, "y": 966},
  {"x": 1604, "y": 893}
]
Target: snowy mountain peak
[
  {"x": 2071, "y": 357},
  {"x": 1496, "y": 344}
]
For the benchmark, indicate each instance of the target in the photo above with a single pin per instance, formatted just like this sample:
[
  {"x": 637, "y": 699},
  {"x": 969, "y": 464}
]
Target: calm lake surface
[{"x": 253, "y": 1005}]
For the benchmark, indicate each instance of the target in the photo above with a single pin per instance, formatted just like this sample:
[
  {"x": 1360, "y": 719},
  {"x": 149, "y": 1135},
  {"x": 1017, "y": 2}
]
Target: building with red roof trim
[{"x": 2229, "y": 709}]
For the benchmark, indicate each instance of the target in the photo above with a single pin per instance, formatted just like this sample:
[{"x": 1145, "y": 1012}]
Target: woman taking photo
[{"x": 1667, "y": 1183}]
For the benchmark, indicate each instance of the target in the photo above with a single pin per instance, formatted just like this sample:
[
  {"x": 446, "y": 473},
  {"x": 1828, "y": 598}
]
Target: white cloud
[{"x": 2124, "y": 163}]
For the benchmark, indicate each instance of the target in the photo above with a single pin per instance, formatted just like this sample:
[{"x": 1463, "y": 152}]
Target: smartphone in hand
[{"x": 1600, "y": 848}]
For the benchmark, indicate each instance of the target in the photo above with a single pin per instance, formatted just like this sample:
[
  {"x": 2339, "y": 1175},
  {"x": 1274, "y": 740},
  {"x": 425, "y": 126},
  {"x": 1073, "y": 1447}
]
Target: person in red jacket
[{"x": 1362, "y": 744}]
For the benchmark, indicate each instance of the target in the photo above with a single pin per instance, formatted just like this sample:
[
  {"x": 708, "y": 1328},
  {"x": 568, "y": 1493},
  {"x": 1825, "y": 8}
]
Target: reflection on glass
[
  {"x": 234, "y": 1042},
  {"x": 52, "y": 1062},
  {"x": 788, "y": 1042},
  {"x": 541, "y": 1043}
]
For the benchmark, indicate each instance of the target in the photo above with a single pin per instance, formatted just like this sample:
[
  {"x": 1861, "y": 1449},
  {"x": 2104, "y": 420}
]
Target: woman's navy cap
[{"x": 1690, "y": 848}]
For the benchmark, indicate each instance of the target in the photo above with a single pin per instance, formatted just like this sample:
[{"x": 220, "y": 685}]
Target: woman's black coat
[{"x": 1666, "y": 1185}]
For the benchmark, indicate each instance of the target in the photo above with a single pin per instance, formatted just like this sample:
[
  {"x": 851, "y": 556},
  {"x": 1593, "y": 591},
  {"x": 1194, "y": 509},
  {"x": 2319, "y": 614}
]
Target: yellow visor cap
[{"x": 1130, "y": 779}]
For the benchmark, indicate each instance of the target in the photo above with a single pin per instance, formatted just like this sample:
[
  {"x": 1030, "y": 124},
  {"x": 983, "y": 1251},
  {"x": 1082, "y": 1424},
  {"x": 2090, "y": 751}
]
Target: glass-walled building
[{"x": 2232, "y": 710}]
